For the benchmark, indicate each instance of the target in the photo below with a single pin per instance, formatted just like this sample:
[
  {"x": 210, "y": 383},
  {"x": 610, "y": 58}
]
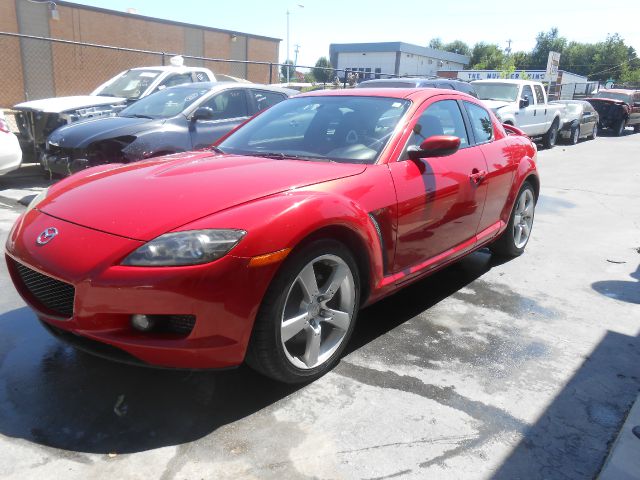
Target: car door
[
  {"x": 440, "y": 200},
  {"x": 634, "y": 115},
  {"x": 502, "y": 160},
  {"x": 230, "y": 109},
  {"x": 587, "y": 120},
  {"x": 527, "y": 115}
]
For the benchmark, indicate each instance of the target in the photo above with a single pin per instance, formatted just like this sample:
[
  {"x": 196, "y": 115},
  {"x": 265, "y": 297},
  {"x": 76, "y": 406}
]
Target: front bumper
[
  {"x": 224, "y": 296},
  {"x": 63, "y": 165}
]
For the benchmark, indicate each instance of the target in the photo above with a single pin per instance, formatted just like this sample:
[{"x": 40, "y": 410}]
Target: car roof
[
  {"x": 223, "y": 85},
  {"x": 170, "y": 68},
  {"x": 503, "y": 80},
  {"x": 412, "y": 80},
  {"x": 627, "y": 91},
  {"x": 406, "y": 93}
]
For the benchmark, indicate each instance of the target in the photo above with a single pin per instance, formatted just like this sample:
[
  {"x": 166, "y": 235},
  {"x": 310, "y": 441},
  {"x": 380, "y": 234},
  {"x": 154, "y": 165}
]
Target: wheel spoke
[
  {"x": 338, "y": 319},
  {"x": 338, "y": 275},
  {"x": 312, "y": 348},
  {"x": 293, "y": 326},
  {"x": 517, "y": 218},
  {"x": 525, "y": 231},
  {"x": 308, "y": 282},
  {"x": 518, "y": 235}
]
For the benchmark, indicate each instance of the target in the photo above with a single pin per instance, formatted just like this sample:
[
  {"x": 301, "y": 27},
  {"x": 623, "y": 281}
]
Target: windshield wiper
[
  {"x": 215, "y": 149},
  {"x": 137, "y": 115}
]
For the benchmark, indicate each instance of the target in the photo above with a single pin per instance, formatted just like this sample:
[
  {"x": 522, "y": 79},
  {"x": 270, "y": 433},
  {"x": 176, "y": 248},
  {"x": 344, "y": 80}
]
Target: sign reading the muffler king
[{"x": 552, "y": 67}]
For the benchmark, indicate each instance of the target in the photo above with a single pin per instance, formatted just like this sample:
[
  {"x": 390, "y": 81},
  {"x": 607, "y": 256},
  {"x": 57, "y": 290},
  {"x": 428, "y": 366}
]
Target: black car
[
  {"x": 176, "y": 119},
  {"x": 410, "y": 82},
  {"x": 618, "y": 109}
]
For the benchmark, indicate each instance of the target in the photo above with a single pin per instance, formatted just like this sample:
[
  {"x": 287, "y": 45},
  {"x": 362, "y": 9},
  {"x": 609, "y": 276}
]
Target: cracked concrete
[{"x": 516, "y": 370}]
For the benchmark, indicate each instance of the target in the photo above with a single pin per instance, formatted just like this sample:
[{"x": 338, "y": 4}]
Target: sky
[{"x": 314, "y": 24}]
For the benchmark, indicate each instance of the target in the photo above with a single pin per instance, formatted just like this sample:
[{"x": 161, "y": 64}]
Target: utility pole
[
  {"x": 508, "y": 49},
  {"x": 295, "y": 59}
]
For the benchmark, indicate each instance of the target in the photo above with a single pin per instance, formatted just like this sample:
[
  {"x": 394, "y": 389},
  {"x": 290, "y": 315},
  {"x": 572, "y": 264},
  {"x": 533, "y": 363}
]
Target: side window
[
  {"x": 528, "y": 93},
  {"x": 265, "y": 99},
  {"x": 201, "y": 77},
  {"x": 440, "y": 118},
  {"x": 480, "y": 122},
  {"x": 228, "y": 104},
  {"x": 539, "y": 93},
  {"x": 175, "y": 79}
]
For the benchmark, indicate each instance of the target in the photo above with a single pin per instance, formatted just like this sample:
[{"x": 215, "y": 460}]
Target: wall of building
[
  {"x": 37, "y": 69},
  {"x": 385, "y": 61},
  {"x": 407, "y": 63}
]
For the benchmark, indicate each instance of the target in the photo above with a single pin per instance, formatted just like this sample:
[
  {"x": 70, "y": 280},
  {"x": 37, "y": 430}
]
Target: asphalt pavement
[{"x": 525, "y": 369}]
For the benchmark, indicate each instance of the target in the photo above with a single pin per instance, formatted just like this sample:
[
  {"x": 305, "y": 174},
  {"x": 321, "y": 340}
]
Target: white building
[{"x": 394, "y": 58}]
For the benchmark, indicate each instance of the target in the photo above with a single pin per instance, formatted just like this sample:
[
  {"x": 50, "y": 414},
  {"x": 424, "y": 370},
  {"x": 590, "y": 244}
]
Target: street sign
[{"x": 552, "y": 66}]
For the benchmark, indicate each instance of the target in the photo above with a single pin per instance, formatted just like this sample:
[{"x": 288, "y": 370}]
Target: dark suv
[
  {"x": 618, "y": 108},
  {"x": 419, "y": 83}
]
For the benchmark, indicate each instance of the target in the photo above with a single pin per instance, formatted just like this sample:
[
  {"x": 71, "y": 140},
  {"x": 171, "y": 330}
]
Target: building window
[
  {"x": 378, "y": 71},
  {"x": 430, "y": 62}
]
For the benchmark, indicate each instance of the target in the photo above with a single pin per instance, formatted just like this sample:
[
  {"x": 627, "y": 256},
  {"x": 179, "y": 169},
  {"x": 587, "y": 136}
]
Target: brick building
[{"x": 33, "y": 69}]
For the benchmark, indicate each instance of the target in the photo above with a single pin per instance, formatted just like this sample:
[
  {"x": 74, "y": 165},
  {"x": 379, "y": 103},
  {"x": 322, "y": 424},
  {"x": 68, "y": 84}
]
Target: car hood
[
  {"x": 495, "y": 104},
  {"x": 62, "y": 104},
  {"x": 145, "y": 199},
  {"x": 81, "y": 134}
]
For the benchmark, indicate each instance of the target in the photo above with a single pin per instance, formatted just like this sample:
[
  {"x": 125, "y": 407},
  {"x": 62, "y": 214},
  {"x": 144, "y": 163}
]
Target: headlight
[
  {"x": 37, "y": 199},
  {"x": 185, "y": 248}
]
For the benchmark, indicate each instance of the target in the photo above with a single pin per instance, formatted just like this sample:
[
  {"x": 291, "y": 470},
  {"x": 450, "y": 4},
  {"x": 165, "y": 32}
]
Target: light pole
[{"x": 288, "y": 56}]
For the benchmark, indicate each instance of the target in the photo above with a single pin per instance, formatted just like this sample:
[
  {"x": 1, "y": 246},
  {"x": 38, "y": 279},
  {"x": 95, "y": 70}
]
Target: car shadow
[
  {"x": 619, "y": 289},
  {"x": 54, "y": 395},
  {"x": 572, "y": 437}
]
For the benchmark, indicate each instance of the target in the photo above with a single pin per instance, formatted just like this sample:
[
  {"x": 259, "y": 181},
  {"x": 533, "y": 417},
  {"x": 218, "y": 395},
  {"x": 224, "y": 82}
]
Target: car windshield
[
  {"x": 131, "y": 84},
  {"x": 625, "y": 97},
  {"x": 505, "y": 92},
  {"x": 348, "y": 129},
  {"x": 165, "y": 103}
]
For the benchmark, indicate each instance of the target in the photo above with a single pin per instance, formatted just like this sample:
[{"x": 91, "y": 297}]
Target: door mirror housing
[
  {"x": 435, "y": 146},
  {"x": 202, "y": 113},
  {"x": 524, "y": 102}
]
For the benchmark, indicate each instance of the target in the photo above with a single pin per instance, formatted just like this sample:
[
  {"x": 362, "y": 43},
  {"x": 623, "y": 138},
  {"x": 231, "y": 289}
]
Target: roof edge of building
[{"x": 398, "y": 46}]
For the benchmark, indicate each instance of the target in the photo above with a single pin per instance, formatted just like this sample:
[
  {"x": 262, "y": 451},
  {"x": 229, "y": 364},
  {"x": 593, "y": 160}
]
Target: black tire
[
  {"x": 266, "y": 350},
  {"x": 636, "y": 128},
  {"x": 505, "y": 245},
  {"x": 618, "y": 129},
  {"x": 549, "y": 139},
  {"x": 575, "y": 135}
]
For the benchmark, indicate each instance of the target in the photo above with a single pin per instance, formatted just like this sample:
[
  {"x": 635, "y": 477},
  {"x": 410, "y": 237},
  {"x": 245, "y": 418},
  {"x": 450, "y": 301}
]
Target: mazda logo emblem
[{"x": 46, "y": 236}]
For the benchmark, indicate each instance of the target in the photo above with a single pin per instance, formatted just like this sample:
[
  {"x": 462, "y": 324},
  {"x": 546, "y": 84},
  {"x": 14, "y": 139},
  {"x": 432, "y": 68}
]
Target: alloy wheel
[
  {"x": 523, "y": 218},
  {"x": 318, "y": 311}
]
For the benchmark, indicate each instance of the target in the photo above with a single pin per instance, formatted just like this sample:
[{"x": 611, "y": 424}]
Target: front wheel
[
  {"x": 307, "y": 315},
  {"x": 514, "y": 239},
  {"x": 575, "y": 135},
  {"x": 549, "y": 138}
]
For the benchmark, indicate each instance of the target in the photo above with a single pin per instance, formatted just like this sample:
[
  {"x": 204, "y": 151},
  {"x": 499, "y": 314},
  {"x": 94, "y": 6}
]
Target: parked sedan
[
  {"x": 10, "y": 152},
  {"x": 265, "y": 248},
  {"x": 177, "y": 119},
  {"x": 579, "y": 120}
]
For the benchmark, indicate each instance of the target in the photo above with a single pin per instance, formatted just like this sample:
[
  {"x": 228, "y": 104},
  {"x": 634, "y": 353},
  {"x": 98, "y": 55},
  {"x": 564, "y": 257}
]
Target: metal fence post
[{"x": 270, "y": 72}]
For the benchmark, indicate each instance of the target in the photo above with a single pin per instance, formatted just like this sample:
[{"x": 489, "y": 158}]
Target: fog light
[{"x": 144, "y": 323}]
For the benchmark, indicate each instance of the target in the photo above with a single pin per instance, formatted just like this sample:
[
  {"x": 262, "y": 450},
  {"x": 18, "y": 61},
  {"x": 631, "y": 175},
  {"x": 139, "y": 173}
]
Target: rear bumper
[{"x": 223, "y": 296}]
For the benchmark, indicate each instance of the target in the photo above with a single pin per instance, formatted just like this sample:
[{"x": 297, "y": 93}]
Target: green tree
[
  {"x": 546, "y": 42},
  {"x": 486, "y": 56},
  {"x": 323, "y": 71},
  {"x": 436, "y": 43},
  {"x": 457, "y": 46},
  {"x": 292, "y": 71}
]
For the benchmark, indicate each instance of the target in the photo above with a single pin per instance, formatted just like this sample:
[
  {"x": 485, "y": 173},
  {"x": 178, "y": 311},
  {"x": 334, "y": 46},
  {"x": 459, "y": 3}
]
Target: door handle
[{"x": 477, "y": 176}]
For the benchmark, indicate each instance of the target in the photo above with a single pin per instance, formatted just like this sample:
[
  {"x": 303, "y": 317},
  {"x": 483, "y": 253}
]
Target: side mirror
[
  {"x": 202, "y": 113},
  {"x": 636, "y": 104},
  {"x": 436, "y": 146},
  {"x": 524, "y": 102}
]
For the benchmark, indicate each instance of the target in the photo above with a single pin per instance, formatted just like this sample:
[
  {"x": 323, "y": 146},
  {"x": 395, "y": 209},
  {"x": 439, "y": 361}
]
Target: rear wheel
[
  {"x": 618, "y": 129},
  {"x": 549, "y": 138},
  {"x": 514, "y": 239},
  {"x": 594, "y": 132},
  {"x": 307, "y": 315}
]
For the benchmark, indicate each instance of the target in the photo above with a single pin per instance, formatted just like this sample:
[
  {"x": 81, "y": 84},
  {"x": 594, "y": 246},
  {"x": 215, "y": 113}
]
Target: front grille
[
  {"x": 56, "y": 296},
  {"x": 181, "y": 324}
]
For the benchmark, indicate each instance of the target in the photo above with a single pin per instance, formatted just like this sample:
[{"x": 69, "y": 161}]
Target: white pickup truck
[{"x": 523, "y": 104}]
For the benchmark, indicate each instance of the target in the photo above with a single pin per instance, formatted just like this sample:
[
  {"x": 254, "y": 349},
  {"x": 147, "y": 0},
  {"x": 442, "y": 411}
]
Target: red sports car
[{"x": 265, "y": 247}]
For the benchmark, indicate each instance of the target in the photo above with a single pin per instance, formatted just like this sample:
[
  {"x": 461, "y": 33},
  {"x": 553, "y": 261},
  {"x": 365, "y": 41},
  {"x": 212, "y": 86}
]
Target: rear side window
[
  {"x": 176, "y": 79},
  {"x": 265, "y": 99},
  {"x": 201, "y": 77},
  {"x": 480, "y": 122},
  {"x": 539, "y": 93}
]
